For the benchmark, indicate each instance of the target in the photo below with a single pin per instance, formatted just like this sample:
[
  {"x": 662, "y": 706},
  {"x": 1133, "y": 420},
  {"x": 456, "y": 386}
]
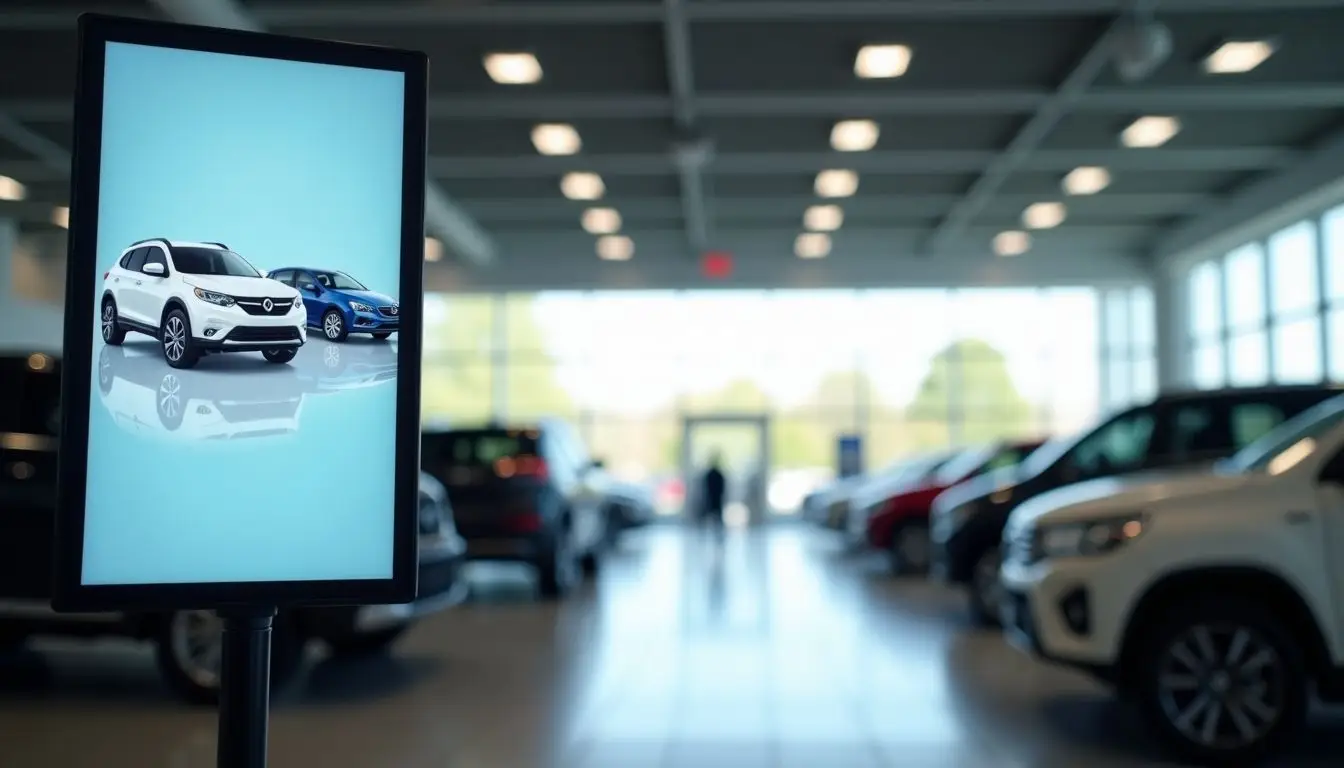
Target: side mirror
[
  {"x": 154, "y": 269},
  {"x": 310, "y": 288}
]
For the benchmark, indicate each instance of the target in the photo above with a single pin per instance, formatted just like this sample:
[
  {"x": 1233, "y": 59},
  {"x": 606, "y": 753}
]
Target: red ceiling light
[{"x": 716, "y": 264}]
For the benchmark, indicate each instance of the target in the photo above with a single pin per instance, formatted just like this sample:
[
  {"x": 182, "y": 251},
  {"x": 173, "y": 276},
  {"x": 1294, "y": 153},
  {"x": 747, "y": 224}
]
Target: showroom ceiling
[{"x": 709, "y": 122}]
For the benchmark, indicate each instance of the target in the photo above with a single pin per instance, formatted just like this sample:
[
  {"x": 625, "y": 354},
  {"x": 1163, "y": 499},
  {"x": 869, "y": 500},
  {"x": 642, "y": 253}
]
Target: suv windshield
[
  {"x": 339, "y": 281},
  {"x": 962, "y": 465},
  {"x": 212, "y": 261},
  {"x": 1293, "y": 441}
]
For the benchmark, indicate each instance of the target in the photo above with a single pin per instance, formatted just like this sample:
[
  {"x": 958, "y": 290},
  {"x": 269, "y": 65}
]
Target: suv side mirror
[{"x": 154, "y": 269}]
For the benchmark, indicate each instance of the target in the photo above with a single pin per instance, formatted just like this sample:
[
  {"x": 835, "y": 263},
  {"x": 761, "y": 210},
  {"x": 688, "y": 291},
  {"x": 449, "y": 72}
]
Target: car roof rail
[
  {"x": 221, "y": 245},
  {"x": 163, "y": 240}
]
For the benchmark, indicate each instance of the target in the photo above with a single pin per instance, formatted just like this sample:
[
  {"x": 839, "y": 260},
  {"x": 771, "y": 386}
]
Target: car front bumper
[
  {"x": 374, "y": 322},
  {"x": 1071, "y": 610},
  {"x": 233, "y": 329}
]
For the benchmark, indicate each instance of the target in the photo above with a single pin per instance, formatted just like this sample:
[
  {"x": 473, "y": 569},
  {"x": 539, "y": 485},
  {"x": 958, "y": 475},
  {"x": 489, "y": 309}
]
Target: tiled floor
[{"x": 781, "y": 651}]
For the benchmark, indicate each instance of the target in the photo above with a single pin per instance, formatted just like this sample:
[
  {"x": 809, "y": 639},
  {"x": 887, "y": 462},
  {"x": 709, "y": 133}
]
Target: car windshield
[
  {"x": 1293, "y": 441},
  {"x": 212, "y": 261},
  {"x": 338, "y": 281}
]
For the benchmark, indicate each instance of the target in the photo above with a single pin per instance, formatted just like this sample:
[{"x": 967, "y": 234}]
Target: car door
[
  {"x": 128, "y": 287},
  {"x": 153, "y": 290}
]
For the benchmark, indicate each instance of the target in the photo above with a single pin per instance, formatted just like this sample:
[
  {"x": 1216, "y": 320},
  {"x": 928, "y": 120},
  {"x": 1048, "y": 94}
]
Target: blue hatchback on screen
[{"x": 339, "y": 305}]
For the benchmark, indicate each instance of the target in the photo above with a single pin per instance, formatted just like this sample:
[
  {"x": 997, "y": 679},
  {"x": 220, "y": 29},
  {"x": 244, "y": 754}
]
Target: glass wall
[
  {"x": 908, "y": 370},
  {"x": 1266, "y": 311},
  {"x": 1129, "y": 347}
]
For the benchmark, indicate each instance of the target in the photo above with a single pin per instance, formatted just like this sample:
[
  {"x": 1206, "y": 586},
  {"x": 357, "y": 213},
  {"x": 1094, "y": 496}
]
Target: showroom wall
[{"x": 31, "y": 291}]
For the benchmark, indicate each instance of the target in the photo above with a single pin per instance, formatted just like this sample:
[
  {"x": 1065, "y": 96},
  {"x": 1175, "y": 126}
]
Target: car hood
[
  {"x": 1095, "y": 499},
  {"x": 259, "y": 287},
  {"x": 370, "y": 297}
]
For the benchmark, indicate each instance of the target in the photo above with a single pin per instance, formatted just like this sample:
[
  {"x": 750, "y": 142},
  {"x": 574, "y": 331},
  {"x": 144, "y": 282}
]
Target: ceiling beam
[
  {"x": 50, "y": 155},
  {"x": 681, "y": 84},
  {"x": 1027, "y": 139},
  {"x": 443, "y": 218}
]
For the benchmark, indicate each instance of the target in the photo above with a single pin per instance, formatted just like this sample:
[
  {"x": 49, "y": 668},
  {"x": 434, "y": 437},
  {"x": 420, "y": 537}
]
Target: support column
[
  {"x": 32, "y": 288},
  {"x": 1173, "y": 347}
]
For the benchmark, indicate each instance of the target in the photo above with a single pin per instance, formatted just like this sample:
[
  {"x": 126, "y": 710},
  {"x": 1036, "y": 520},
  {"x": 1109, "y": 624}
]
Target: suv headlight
[
  {"x": 1083, "y": 539},
  {"x": 298, "y": 302},
  {"x": 217, "y": 299},
  {"x": 360, "y": 307}
]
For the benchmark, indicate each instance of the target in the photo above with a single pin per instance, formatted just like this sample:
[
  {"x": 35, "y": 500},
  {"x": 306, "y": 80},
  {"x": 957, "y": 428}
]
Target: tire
[
  {"x": 1248, "y": 648},
  {"x": 910, "y": 549},
  {"x": 560, "y": 571},
  {"x": 366, "y": 644},
  {"x": 179, "y": 349},
  {"x": 196, "y": 680},
  {"x": 333, "y": 325},
  {"x": 985, "y": 590},
  {"x": 112, "y": 330},
  {"x": 280, "y": 355},
  {"x": 381, "y": 336}
]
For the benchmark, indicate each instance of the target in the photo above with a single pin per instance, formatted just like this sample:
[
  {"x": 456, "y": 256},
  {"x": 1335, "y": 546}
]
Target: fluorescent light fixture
[
  {"x": 812, "y": 245},
  {"x": 615, "y": 248},
  {"x": 837, "y": 183},
  {"x": 1043, "y": 215},
  {"x": 602, "y": 221},
  {"x": 60, "y": 216},
  {"x": 582, "y": 186},
  {"x": 881, "y": 61},
  {"x": 1086, "y": 180},
  {"x": 433, "y": 249},
  {"x": 1237, "y": 56},
  {"x": 1012, "y": 243},
  {"x": 823, "y": 218},
  {"x": 11, "y": 189},
  {"x": 513, "y": 68},
  {"x": 556, "y": 139},
  {"x": 1150, "y": 131},
  {"x": 854, "y": 135}
]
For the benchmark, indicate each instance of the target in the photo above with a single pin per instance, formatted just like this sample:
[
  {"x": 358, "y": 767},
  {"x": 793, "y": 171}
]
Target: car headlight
[
  {"x": 298, "y": 302},
  {"x": 1084, "y": 539},
  {"x": 217, "y": 299},
  {"x": 360, "y": 307}
]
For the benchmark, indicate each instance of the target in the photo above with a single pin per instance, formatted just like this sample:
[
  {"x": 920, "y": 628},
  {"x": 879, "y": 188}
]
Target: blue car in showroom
[{"x": 339, "y": 305}]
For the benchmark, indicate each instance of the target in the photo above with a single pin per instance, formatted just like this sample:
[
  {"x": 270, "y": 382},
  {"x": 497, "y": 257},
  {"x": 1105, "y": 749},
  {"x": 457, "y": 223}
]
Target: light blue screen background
[{"x": 287, "y": 163}]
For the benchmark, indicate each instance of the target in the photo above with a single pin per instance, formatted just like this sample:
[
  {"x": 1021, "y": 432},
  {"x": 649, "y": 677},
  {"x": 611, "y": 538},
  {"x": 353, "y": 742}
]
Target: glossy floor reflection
[{"x": 781, "y": 650}]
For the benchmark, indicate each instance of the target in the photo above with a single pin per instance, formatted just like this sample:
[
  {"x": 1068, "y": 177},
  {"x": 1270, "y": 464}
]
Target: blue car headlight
[
  {"x": 217, "y": 299},
  {"x": 360, "y": 306}
]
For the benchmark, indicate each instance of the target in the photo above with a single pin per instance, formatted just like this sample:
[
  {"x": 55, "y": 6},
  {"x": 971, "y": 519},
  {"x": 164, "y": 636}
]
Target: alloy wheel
[
  {"x": 170, "y": 396},
  {"x": 332, "y": 356},
  {"x": 174, "y": 339},
  {"x": 332, "y": 326},
  {"x": 109, "y": 321},
  {"x": 1221, "y": 686},
  {"x": 912, "y": 547},
  {"x": 197, "y": 639},
  {"x": 987, "y": 585}
]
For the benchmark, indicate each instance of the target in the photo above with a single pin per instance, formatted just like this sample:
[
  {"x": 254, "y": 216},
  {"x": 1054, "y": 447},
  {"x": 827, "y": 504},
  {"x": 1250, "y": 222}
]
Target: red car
[{"x": 901, "y": 526}]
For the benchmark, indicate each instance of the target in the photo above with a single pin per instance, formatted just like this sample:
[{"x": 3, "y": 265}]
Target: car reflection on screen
[
  {"x": 144, "y": 395},
  {"x": 356, "y": 364}
]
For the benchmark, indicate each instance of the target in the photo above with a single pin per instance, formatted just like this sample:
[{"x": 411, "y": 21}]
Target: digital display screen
[{"x": 243, "y": 408}]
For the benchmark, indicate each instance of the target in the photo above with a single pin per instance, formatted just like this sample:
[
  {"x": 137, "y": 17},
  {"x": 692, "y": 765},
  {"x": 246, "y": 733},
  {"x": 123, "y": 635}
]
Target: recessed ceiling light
[
  {"x": 1043, "y": 215},
  {"x": 879, "y": 61},
  {"x": 812, "y": 245},
  {"x": 823, "y": 218},
  {"x": 1237, "y": 56},
  {"x": 556, "y": 139},
  {"x": 1150, "y": 131},
  {"x": 854, "y": 135},
  {"x": 1012, "y": 243},
  {"x": 1087, "y": 180},
  {"x": 837, "y": 183},
  {"x": 60, "y": 216},
  {"x": 582, "y": 186},
  {"x": 602, "y": 221},
  {"x": 11, "y": 189},
  {"x": 433, "y": 249},
  {"x": 615, "y": 248},
  {"x": 513, "y": 68}
]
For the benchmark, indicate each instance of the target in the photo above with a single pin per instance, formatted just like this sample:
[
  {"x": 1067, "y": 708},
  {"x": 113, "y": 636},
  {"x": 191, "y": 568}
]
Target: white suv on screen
[
  {"x": 1215, "y": 600},
  {"x": 200, "y": 298}
]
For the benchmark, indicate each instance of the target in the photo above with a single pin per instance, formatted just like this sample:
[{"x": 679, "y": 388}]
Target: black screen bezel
[{"x": 95, "y": 31}]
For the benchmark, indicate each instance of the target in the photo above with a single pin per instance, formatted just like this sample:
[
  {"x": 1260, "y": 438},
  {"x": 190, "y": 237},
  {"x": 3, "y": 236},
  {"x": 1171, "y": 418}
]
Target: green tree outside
[{"x": 968, "y": 382}]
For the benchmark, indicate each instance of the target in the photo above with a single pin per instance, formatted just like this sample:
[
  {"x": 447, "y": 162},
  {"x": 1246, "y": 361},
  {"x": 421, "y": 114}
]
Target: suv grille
[
  {"x": 257, "y": 305},
  {"x": 264, "y": 333},
  {"x": 390, "y": 311}
]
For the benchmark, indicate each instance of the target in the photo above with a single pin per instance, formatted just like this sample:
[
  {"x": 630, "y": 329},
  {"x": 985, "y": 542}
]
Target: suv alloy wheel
[
  {"x": 175, "y": 336},
  {"x": 113, "y": 333}
]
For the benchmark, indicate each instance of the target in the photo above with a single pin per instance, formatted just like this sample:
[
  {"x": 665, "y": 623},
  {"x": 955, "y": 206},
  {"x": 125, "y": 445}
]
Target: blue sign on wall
[{"x": 850, "y": 455}]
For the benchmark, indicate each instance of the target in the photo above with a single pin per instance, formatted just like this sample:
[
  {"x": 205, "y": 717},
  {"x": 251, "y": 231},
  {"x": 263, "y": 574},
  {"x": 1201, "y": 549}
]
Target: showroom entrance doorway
[{"x": 742, "y": 442}]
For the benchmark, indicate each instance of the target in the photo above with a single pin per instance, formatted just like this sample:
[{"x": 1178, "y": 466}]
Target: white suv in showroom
[
  {"x": 200, "y": 298},
  {"x": 1215, "y": 600}
]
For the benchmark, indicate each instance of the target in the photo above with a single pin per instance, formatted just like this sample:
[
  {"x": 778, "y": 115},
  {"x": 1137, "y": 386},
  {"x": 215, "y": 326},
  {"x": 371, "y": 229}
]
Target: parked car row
[{"x": 1184, "y": 552}]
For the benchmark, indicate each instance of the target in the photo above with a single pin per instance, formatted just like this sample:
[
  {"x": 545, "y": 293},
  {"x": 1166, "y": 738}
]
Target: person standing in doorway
[{"x": 713, "y": 488}]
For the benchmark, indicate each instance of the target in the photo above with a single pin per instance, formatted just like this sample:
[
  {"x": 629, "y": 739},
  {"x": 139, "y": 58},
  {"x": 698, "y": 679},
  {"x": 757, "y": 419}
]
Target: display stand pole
[{"x": 245, "y": 687}]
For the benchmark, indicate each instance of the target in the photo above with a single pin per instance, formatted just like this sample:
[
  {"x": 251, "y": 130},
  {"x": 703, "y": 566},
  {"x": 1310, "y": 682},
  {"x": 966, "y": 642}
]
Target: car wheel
[
  {"x": 333, "y": 326},
  {"x": 169, "y": 402},
  {"x": 190, "y": 649},
  {"x": 1222, "y": 681},
  {"x": 560, "y": 571},
  {"x": 986, "y": 592},
  {"x": 367, "y": 643},
  {"x": 381, "y": 336},
  {"x": 175, "y": 335},
  {"x": 105, "y": 375},
  {"x": 113, "y": 333},
  {"x": 910, "y": 549},
  {"x": 280, "y": 355}
]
